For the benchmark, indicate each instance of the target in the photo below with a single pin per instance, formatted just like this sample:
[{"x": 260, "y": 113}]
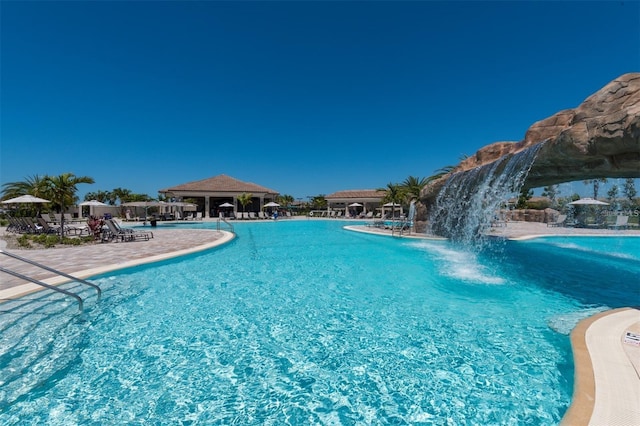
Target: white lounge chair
[{"x": 622, "y": 222}]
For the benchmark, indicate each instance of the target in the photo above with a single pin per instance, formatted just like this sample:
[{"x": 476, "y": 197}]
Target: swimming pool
[{"x": 302, "y": 322}]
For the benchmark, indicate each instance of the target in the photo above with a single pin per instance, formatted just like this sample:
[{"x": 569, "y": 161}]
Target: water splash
[{"x": 470, "y": 200}]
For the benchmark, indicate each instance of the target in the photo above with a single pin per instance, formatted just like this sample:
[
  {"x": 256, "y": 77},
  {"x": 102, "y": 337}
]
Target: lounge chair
[
  {"x": 622, "y": 222},
  {"x": 46, "y": 228},
  {"x": 252, "y": 215},
  {"x": 560, "y": 221},
  {"x": 198, "y": 216},
  {"x": 262, "y": 215},
  {"x": 115, "y": 232}
]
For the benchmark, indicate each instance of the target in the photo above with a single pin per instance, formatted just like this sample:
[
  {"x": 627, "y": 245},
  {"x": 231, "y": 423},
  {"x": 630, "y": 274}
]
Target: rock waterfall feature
[{"x": 598, "y": 139}]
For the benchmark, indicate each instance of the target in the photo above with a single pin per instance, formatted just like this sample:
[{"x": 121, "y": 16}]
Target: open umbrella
[
  {"x": 355, "y": 205},
  {"x": 25, "y": 199},
  {"x": 272, "y": 204},
  {"x": 226, "y": 205}
]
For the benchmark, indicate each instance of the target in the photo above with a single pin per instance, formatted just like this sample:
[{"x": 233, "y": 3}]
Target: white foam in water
[
  {"x": 564, "y": 323},
  {"x": 574, "y": 246},
  {"x": 460, "y": 264}
]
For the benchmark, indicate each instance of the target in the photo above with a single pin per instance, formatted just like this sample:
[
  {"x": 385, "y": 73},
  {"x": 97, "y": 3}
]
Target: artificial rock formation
[{"x": 598, "y": 139}]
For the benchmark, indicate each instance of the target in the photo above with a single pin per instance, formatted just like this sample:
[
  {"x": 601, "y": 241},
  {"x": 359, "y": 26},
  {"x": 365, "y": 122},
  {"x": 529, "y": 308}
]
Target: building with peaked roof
[
  {"x": 209, "y": 194},
  {"x": 369, "y": 199}
]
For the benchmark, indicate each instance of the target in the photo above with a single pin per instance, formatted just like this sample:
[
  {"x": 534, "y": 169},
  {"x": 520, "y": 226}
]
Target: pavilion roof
[
  {"x": 220, "y": 183},
  {"x": 357, "y": 194}
]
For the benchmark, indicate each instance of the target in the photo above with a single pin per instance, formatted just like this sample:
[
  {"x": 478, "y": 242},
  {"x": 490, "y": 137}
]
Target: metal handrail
[
  {"x": 55, "y": 271},
  {"x": 49, "y": 286},
  {"x": 230, "y": 226}
]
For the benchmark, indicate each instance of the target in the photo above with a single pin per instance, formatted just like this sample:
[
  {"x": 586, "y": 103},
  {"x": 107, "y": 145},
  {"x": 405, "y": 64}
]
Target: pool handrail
[
  {"x": 45, "y": 267},
  {"x": 49, "y": 286}
]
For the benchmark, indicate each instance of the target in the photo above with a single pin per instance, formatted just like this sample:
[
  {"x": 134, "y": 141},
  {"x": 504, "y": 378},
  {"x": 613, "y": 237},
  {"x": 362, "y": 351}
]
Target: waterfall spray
[{"x": 469, "y": 201}]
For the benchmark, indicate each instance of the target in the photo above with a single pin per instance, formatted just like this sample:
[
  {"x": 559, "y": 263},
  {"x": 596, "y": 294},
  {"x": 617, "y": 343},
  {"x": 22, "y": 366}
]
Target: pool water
[{"x": 303, "y": 322}]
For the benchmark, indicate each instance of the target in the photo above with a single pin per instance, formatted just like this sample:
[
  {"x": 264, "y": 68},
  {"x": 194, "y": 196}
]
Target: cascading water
[{"x": 470, "y": 200}]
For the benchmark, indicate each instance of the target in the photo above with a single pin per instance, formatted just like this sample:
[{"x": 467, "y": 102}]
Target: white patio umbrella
[
  {"x": 226, "y": 205},
  {"x": 272, "y": 204},
  {"x": 355, "y": 205},
  {"x": 25, "y": 199}
]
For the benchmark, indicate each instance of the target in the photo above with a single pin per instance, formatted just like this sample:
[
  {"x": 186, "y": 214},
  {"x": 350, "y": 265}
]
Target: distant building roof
[
  {"x": 220, "y": 183},
  {"x": 356, "y": 194}
]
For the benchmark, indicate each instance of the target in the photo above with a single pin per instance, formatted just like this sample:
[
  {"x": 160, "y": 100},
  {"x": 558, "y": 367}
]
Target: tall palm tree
[
  {"x": 284, "y": 200},
  {"x": 596, "y": 185},
  {"x": 62, "y": 192},
  {"x": 440, "y": 172},
  {"x": 119, "y": 194},
  {"x": 412, "y": 187},
  {"x": 102, "y": 196},
  {"x": 244, "y": 199},
  {"x": 395, "y": 194}
]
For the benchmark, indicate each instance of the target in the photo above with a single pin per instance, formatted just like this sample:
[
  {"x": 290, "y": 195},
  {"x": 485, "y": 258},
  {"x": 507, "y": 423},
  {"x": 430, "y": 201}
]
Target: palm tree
[
  {"x": 102, "y": 196},
  {"x": 596, "y": 185},
  {"x": 62, "y": 192},
  {"x": 285, "y": 200},
  {"x": 440, "y": 172},
  {"x": 244, "y": 199},
  {"x": 394, "y": 194},
  {"x": 319, "y": 202},
  {"x": 412, "y": 187},
  {"x": 33, "y": 185}
]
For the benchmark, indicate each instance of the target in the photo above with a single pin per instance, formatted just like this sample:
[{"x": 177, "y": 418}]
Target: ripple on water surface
[{"x": 309, "y": 324}]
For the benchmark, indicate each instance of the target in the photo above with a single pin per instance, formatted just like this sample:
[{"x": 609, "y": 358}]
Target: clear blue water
[{"x": 298, "y": 322}]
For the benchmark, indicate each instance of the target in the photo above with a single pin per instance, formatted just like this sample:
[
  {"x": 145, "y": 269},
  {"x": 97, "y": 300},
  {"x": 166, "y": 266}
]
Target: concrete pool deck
[{"x": 606, "y": 354}]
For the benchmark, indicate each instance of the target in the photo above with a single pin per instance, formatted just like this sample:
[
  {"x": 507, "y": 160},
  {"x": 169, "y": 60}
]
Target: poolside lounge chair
[
  {"x": 115, "y": 232},
  {"x": 252, "y": 215},
  {"x": 560, "y": 221},
  {"x": 198, "y": 216},
  {"x": 622, "y": 222},
  {"x": 46, "y": 228}
]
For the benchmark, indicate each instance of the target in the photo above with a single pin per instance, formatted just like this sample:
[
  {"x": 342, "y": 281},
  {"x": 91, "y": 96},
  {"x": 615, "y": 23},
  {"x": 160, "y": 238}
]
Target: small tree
[
  {"x": 612, "y": 195},
  {"x": 552, "y": 192},
  {"x": 62, "y": 190},
  {"x": 629, "y": 191},
  {"x": 525, "y": 195},
  {"x": 394, "y": 194},
  {"x": 244, "y": 199}
]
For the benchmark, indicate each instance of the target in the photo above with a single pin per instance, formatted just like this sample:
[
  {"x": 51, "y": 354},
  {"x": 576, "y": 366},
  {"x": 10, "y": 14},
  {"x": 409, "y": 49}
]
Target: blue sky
[{"x": 305, "y": 98}]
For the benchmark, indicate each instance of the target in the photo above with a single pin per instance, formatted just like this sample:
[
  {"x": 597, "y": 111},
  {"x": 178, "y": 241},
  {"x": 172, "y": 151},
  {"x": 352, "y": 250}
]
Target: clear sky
[{"x": 305, "y": 98}]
